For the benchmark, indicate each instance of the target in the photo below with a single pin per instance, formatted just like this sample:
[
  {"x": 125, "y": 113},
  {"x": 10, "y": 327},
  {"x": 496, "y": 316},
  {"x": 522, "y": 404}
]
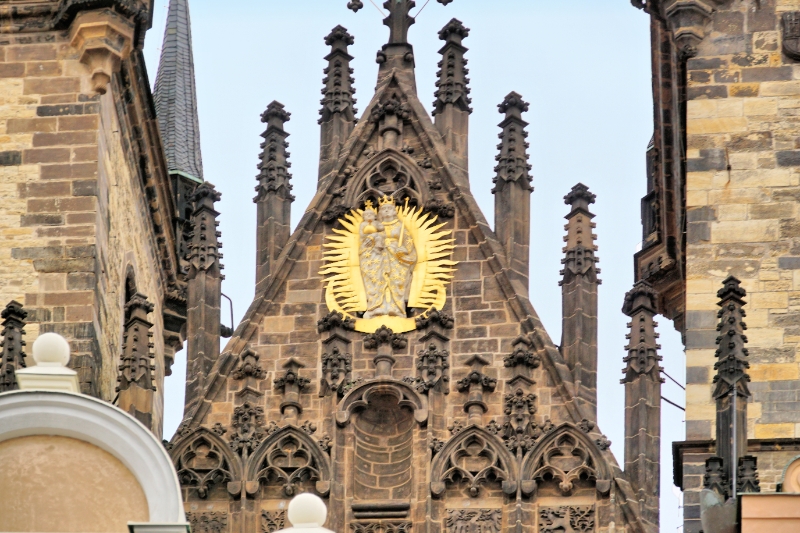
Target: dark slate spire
[
  {"x": 731, "y": 376},
  {"x": 643, "y": 399},
  {"x": 512, "y": 190},
  {"x": 175, "y": 96}
]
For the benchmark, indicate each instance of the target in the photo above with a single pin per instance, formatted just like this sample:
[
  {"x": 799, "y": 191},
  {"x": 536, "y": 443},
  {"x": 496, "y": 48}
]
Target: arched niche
[
  {"x": 389, "y": 173},
  {"x": 290, "y": 458},
  {"x": 359, "y": 398},
  {"x": 87, "y": 419},
  {"x": 473, "y": 458},
  {"x": 205, "y": 463},
  {"x": 565, "y": 460}
]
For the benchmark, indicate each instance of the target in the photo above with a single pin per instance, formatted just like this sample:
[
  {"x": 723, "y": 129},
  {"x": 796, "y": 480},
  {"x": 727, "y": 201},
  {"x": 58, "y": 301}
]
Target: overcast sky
[{"x": 583, "y": 65}]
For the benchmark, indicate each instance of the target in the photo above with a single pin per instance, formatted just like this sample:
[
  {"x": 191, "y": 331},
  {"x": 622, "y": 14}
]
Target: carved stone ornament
[
  {"x": 566, "y": 519},
  {"x": 208, "y": 522},
  {"x": 12, "y": 356},
  {"x": 248, "y": 366},
  {"x": 203, "y": 464},
  {"x": 336, "y": 372},
  {"x": 381, "y": 527},
  {"x": 333, "y": 320},
  {"x": 565, "y": 458},
  {"x": 272, "y": 521},
  {"x": 103, "y": 39},
  {"x": 432, "y": 370},
  {"x": 404, "y": 260},
  {"x": 474, "y": 520},
  {"x": 520, "y": 430},
  {"x": 247, "y": 432},
  {"x": 290, "y": 458},
  {"x": 522, "y": 354},
  {"x": 435, "y": 318},
  {"x": 791, "y": 34},
  {"x": 715, "y": 477},
  {"x": 470, "y": 460},
  {"x": 747, "y": 475}
]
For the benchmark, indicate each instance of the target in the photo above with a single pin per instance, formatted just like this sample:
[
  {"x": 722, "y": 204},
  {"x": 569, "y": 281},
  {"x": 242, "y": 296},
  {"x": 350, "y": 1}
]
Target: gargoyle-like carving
[
  {"x": 335, "y": 319},
  {"x": 432, "y": 370},
  {"x": 336, "y": 372},
  {"x": 566, "y": 519},
  {"x": 586, "y": 425},
  {"x": 202, "y": 464},
  {"x": 248, "y": 366},
  {"x": 247, "y": 423},
  {"x": 472, "y": 459},
  {"x": 211, "y": 522},
  {"x": 474, "y": 520},
  {"x": 272, "y": 521},
  {"x": 441, "y": 208},
  {"x": 290, "y": 458}
]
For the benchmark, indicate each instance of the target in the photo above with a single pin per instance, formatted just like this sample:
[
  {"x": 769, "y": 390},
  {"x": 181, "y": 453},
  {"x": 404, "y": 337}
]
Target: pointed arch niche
[
  {"x": 205, "y": 466},
  {"x": 389, "y": 173},
  {"x": 289, "y": 462},
  {"x": 476, "y": 462},
  {"x": 565, "y": 462}
]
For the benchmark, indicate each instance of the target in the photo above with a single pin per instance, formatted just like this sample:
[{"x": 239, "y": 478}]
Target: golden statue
[{"x": 384, "y": 262}]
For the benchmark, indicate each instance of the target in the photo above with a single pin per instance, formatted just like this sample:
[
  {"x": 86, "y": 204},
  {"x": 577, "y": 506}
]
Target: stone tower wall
[{"x": 79, "y": 201}]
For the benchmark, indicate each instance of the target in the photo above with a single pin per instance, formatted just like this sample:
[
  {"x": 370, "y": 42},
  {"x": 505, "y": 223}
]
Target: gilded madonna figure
[{"x": 387, "y": 258}]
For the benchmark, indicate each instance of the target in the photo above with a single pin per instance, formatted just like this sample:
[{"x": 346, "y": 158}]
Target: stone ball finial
[
  {"x": 307, "y": 511},
  {"x": 51, "y": 349}
]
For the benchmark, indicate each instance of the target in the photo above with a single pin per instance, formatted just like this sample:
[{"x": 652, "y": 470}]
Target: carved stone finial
[
  {"x": 247, "y": 424},
  {"x": 731, "y": 353},
  {"x": 715, "y": 477},
  {"x": 520, "y": 430},
  {"x": 435, "y": 317},
  {"x": 433, "y": 366},
  {"x": 642, "y": 347},
  {"x": 136, "y": 365},
  {"x": 475, "y": 384},
  {"x": 512, "y": 161},
  {"x": 249, "y": 367},
  {"x": 580, "y": 197},
  {"x": 12, "y": 357},
  {"x": 747, "y": 475},
  {"x": 522, "y": 354},
  {"x": 339, "y": 34},
  {"x": 337, "y": 370},
  {"x": 384, "y": 335},
  {"x": 275, "y": 115},
  {"x": 454, "y": 31}
]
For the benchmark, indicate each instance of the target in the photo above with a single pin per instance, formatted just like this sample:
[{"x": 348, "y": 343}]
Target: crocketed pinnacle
[
  {"x": 175, "y": 95},
  {"x": 731, "y": 354},
  {"x": 512, "y": 161}
]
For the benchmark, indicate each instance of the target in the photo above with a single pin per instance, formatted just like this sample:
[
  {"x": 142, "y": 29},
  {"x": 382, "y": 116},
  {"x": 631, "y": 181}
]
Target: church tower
[{"x": 392, "y": 361}]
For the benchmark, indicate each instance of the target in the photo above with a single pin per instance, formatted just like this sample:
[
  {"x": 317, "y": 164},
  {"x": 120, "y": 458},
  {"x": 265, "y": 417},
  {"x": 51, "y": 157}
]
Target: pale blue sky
[{"x": 584, "y": 66}]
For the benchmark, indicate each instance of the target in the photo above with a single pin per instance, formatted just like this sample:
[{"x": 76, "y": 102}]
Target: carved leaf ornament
[{"x": 345, "y": 266}]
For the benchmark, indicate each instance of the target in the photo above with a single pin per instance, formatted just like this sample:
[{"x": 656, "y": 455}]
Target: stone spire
[
  {"x": 135, "y": 381},
  {"x": 579, "y": 296},
  {"x": 12, "y": 356},
  {"x": 512, "y": 190},
  {"x": 273, "y": 198},
  {"x": 175, "y": 95},
  {"x": 451, "y": 108},
  {"x": 205, "y": 288},
  {"x": 338, "y": 116},
  {"x": 397, "y": 53},
  {"x": 643, "y": 399},
  {"x": 731, "y": 376}
]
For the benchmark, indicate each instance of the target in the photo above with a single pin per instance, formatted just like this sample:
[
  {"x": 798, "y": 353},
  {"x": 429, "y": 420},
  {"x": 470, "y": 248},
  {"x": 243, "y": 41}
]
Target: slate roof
[{"x": 175, "y": 94}]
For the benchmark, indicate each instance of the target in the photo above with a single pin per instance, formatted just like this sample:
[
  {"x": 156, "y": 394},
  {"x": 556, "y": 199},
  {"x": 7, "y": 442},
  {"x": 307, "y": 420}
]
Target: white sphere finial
[
  {"x": 51, "y": 349},
  {"x": 307, "y": 510}
]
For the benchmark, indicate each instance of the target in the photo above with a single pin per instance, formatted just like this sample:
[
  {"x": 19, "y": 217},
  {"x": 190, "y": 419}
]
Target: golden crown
[
  {"x": 386, "y": 200},
  {"x": 368, "y": 206}
]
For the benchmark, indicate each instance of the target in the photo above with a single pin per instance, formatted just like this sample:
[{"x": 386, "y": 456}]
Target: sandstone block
[
  {"x": 716, "y": 125},
  {"x": 774, "y": 372},
  {"x": 774, "y": 431},
  {"x": 744, "y": 231}
]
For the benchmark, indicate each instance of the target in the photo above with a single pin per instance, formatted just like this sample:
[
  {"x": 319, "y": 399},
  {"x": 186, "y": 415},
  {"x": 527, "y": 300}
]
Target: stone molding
[
  {"x": 103, "y": 40},
  {"x": 26, "y": 413}
]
